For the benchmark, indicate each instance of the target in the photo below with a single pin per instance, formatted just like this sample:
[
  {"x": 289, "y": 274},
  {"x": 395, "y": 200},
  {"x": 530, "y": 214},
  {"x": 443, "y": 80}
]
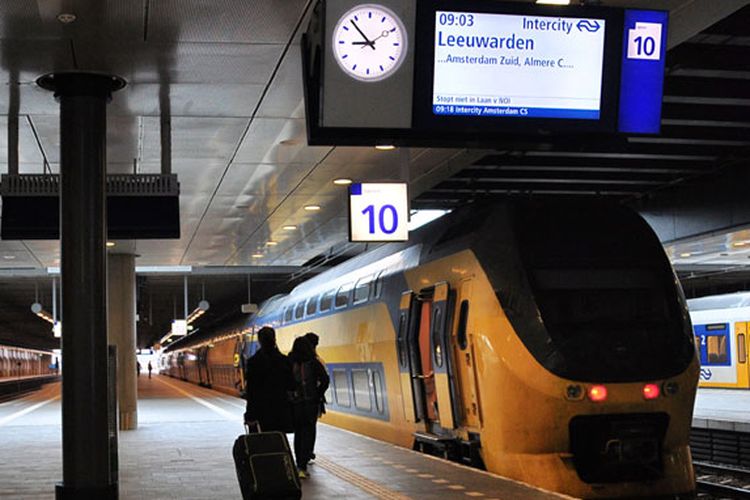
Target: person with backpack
[
  {"x": 314, "y": 340},
  {"x": 310, "y": 383},
  {"x": 268, "y": 380}
]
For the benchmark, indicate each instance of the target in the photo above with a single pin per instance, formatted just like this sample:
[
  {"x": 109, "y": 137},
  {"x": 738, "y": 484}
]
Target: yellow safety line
[{"x": 361, "y": 482}]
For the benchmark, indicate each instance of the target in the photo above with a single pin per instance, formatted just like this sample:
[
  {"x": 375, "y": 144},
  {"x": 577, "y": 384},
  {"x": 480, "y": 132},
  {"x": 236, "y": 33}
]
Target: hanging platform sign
[
  {"x": 378, "y": 212},
  {"x": 467, "y": 72}
]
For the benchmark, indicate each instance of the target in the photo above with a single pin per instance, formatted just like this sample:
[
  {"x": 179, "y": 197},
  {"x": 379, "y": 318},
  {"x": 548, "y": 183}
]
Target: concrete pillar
[{"x": 122, "y": 333}]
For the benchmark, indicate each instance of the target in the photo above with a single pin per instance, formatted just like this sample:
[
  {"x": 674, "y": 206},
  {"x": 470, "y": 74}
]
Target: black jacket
[{"x": 268, "y": 379}]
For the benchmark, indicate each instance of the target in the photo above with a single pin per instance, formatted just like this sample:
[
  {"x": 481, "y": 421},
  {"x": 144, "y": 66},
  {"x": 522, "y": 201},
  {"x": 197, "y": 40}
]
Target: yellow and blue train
[
  {"x": 548, "y": 342},
  {"x": 720, "y": 325}
]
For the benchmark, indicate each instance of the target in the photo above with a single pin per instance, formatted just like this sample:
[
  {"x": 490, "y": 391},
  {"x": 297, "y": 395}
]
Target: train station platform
[
  {"x": 722, "y": 409},
  {"x": 182, "y": 450}
]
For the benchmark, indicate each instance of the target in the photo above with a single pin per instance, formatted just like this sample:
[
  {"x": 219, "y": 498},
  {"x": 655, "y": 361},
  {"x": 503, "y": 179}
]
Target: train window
[
  {"x": 299, "y": 310},
  {"x": 312, "y": 305},
  {"x": 341, "y": 387},
  {"x": 717, "y": 349},
  {"x": 377, "y": 388},
  {"x": 362, "y": 290},
  {"x": 361, "y": 384},
  {"x": 342, "y": 296},
  {"x": 437, "y": 329},
  {"x": 288, "y": 314},
  {"x": 403, "y": 358},
  {"x": 741, "y": 348},
  {"x": 463, "y": 318},
  {"x": 326, "y": 301}
]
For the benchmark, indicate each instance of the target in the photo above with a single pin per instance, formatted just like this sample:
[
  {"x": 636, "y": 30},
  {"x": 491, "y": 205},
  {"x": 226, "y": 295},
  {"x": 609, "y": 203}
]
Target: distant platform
[
  {"x": 183, "y": 450},
  {"x": 722, "y": 409}
]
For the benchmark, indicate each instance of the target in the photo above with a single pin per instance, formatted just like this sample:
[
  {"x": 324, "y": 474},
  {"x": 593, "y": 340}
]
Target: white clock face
[{"x": 369, "y": 42}]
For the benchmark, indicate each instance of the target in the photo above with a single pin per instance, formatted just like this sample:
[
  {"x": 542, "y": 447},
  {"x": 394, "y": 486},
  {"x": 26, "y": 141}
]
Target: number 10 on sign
[{"x": 378, "y": 212}]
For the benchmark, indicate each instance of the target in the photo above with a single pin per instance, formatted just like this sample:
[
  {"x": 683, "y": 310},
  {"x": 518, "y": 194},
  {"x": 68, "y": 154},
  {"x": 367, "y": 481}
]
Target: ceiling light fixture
[
  {"x": 342, "y": 181},
  {"x": 739, "y": 243},
  {"x": 385, "y": 147},
  {"x": 553, "y": 2},
  {"x": 257, "y": 256},
  {"x": 272, "y": 243},
  {"x": 110, "y": 244},
  {"x": 685, "y": 255},
  {"x": 289, "y": 228},
  {"x": 312, "y": 208},
  {"x": 9, "y": 257}
]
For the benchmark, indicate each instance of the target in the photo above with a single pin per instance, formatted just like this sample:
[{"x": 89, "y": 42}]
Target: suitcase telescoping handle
[{"x": 252, "y": 427}]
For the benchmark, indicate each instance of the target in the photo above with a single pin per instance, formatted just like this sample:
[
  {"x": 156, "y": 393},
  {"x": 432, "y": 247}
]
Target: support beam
[
  {"x": 122, "y": 333},
  {"x": 83, "y": 139}
]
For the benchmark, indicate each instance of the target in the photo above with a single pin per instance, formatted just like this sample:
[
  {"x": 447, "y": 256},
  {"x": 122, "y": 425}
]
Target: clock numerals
[{"x": 369, "y": 43}]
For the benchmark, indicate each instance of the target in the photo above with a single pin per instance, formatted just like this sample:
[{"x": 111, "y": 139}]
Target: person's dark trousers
[{"x": 305, "y": 420}]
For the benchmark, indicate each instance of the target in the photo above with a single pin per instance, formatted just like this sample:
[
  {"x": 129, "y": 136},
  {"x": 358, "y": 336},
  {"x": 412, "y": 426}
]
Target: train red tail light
[
  {"x": 597, "y": 393},
  {"x": 651, "y": 391}
]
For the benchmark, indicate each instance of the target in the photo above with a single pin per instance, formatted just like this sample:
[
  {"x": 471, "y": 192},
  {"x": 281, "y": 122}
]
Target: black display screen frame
[{"x": 423, "y": 118}]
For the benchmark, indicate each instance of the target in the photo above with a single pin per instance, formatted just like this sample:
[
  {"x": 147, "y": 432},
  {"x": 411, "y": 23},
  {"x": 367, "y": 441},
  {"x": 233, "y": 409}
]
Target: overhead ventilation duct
[{"x": 143, "y": 206}]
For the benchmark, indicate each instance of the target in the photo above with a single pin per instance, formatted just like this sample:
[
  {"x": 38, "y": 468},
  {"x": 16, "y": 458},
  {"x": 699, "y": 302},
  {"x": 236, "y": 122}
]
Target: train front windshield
[{"x": 606, "y": 295}]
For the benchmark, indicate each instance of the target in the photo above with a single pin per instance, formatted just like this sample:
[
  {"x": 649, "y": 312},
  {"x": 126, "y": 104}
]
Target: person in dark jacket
[
  {"x": 268, "y": 380},
  {"x": 310, "y": 383},
  {"x": 314, "y": 340}
]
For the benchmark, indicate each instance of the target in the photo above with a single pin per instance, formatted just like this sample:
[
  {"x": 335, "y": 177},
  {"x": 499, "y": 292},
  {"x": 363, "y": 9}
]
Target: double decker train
[
  {"x": 720, "y": 325},
  {"x": 546, "y": 341}
]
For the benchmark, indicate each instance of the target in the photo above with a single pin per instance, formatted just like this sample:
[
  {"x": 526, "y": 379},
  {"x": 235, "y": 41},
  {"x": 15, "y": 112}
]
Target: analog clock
[{"x": 369, "y": 42}]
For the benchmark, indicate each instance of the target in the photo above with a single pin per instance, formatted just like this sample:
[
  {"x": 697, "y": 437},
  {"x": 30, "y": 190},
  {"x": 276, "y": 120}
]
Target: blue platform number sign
[
  {"x": 642, "y": 75},
  {"x": 378, "y": 212}
]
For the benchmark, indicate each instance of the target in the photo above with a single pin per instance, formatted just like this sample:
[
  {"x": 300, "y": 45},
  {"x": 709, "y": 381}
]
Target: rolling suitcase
[{"x": 265, "y": 467}]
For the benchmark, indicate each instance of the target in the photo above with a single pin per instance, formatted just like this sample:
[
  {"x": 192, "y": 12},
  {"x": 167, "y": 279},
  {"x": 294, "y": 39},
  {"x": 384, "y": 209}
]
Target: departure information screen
[{"x": 503, "y": 65}]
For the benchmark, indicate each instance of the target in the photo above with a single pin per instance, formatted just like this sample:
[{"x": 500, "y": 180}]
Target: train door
[
  {"x": 743, "y": 367},
  {"x": 409, "y": 363},
  {"x": 465, "y": 359},
  {"x": 429, "y": 350}
]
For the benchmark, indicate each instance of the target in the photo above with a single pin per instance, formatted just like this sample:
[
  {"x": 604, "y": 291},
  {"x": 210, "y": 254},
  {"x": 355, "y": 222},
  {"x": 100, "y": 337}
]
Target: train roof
[{"x": 725, "y": 301}]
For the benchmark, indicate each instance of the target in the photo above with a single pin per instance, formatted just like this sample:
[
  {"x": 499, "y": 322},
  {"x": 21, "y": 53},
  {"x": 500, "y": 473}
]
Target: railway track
[{"x": 722, "y": 481}]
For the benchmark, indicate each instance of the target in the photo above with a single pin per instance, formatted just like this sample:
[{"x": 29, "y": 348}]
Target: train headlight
[
  {"x": 651, "y": 391},
  {"x": 597, "y": 393},
  {"x": 574, "y": 392},
  {"x": 671, "y": 388}
]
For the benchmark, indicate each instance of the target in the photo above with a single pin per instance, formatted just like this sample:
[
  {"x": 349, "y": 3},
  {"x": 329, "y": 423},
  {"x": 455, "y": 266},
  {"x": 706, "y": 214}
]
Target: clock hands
[
  {"x": 371, "y": 43},
  {"x": 367, "y": 40}
]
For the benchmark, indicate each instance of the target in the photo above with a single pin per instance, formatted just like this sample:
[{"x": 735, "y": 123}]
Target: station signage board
[
  {"x": 469, "y": 71},
  {"x": 378, "y": 212}
]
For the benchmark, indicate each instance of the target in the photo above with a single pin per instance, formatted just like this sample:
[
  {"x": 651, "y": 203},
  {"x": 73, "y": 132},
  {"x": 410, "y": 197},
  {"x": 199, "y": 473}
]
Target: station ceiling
[{"x": 227, "y": 74}]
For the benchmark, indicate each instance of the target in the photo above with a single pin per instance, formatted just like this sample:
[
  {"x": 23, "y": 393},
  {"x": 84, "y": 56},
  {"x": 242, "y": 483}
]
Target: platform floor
[
  {"x": 726, "y": 409},
  {"x": 182, "y": 450}
]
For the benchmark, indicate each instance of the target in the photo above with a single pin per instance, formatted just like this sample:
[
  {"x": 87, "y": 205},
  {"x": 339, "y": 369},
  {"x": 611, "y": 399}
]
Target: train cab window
[
  {"x": 342, "y": 296},
  {"x": 377, "y": 388},
  {"x": 326, "y": 301},
  {"x": 362, "y": 290},
  {"x": 437, "y": 330},
  {"x": 288, "y": 314},
  {"x": 341, "y": 387},
  {"x": 463, "y": 318},
  {"x": 299, "y": 311},
  {"x": 378, "y": 286},
  {"x": 312, "y": 306},
  {"x": 361, "y": 384}
]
